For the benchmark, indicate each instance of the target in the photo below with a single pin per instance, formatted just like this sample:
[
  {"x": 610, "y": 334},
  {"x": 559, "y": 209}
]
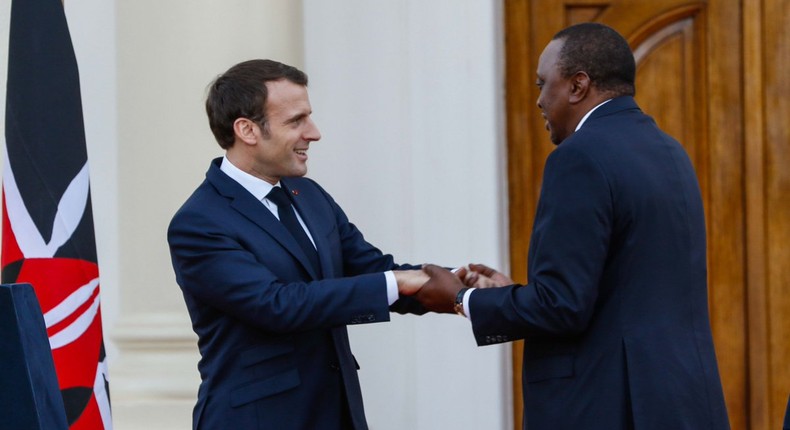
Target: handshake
[{"x": 436, "y": 288}]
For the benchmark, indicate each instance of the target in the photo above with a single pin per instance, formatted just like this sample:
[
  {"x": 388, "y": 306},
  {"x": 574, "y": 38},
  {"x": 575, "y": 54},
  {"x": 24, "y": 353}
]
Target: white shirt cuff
[
  {"x": 392, "y": 287},
  {"x": 465, "y": 303}
]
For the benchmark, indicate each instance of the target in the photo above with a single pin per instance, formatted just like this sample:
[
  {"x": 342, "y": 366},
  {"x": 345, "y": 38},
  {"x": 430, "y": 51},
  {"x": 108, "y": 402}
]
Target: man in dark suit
[
  {"x": 271, "y": 269},
  {"x": 614, "y": 316}
]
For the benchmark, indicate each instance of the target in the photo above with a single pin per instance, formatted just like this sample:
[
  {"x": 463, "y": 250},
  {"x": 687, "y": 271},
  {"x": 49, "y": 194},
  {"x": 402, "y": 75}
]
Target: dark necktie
[{"x": 288, "y": 218}]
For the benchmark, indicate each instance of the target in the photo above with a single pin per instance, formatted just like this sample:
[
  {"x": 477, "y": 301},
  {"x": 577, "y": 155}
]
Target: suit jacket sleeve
[
  {"x": 567, "y": 254},
  {"x": 222, "y": 262}
]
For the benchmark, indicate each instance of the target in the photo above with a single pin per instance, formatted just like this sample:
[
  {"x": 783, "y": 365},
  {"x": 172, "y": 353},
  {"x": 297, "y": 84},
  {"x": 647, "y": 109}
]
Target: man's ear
[
  {"x": 245, "y": 130},
  {"x": 580, "y": 87}
]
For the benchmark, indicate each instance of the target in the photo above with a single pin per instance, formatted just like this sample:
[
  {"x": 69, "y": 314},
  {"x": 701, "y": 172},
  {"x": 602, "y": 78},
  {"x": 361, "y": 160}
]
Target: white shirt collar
[
  {"x": 256, "y": 186},
  {"x": 587, "y": 115}
]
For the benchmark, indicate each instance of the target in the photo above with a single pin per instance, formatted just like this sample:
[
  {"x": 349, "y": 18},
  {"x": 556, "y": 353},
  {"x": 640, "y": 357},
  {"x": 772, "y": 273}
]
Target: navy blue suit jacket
[
  {"x": 615, "y": 312},
  {"x": 272, "y": 333}
]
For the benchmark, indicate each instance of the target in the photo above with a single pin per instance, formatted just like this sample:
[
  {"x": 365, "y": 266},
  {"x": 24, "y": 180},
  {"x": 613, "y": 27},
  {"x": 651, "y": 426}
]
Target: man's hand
[
  {"x": 482, "y": 276},
  {"x": 410, "y": 281},
  {"x": 438, "y": 294}
]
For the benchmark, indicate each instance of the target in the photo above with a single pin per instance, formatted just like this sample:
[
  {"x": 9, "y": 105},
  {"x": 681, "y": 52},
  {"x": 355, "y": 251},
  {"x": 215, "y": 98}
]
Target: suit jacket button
[{"x": 334, "y": 366}]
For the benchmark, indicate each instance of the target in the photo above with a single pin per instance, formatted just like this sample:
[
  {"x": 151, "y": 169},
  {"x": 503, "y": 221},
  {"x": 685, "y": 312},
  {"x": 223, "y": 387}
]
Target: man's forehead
[
  {"x": 550, "y": 54},
  {"x": 284, "y": 94},
  {"x": 285, "y": 87}
]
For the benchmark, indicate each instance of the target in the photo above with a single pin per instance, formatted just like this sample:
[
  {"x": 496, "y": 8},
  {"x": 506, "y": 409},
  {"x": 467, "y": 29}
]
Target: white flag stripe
[
  {"x": 74, "y": 330},
  {"x": 71, "y": 208},
  {"x": 100, "y": 391},
  {"x": 27, "y": 235},
  {"x": 71, "y": 303}
]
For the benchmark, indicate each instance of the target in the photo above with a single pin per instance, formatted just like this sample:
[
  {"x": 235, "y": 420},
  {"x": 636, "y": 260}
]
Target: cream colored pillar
[{"x": 168, "y": 52}]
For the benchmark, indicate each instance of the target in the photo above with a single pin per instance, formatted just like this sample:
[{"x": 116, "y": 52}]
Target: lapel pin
[{"x": 295, "y": 192}]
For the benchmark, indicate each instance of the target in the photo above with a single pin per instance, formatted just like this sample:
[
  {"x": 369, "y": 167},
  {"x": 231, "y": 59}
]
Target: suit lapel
[{"x": 248, "y": 206}]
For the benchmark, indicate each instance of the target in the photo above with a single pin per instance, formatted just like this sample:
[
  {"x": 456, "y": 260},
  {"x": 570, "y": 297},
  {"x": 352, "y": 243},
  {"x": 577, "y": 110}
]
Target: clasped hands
[{"x": 436, "y": 288}]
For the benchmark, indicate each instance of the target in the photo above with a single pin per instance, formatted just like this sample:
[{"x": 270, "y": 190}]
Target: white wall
[{"x": 408, "y": 96}]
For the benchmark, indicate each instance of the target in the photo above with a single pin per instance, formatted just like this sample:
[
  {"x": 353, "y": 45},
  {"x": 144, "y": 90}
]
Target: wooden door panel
[
  {"x": 771, "y": 150},
  {"x": 665, "y": 79}
]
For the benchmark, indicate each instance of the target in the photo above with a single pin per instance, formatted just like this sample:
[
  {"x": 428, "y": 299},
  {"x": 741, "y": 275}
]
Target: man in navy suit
[
  {"x": 271, "y": 269},
  {"x": 614, "y": 316}
]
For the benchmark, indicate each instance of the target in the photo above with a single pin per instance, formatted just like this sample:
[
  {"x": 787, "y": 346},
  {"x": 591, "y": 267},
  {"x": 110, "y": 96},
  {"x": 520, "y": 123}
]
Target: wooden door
[{"x": 690, "y": 77}]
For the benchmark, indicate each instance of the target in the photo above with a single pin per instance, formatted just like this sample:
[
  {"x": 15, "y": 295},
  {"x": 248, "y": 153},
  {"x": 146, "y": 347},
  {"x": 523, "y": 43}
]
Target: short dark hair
[
  {"x": 602, "y": 53},
  {"x": 241, "y": 93}
]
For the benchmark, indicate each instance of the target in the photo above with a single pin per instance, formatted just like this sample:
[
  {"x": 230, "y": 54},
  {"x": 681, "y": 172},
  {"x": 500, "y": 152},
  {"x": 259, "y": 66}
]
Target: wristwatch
[{"x": 459, "y": 302}]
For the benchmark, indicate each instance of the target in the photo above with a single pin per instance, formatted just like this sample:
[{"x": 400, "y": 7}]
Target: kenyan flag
[{"x": 47, "y": 237}]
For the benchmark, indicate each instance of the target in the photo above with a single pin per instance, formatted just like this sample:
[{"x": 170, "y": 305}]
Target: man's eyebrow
[{"x": 297, "y": 117}]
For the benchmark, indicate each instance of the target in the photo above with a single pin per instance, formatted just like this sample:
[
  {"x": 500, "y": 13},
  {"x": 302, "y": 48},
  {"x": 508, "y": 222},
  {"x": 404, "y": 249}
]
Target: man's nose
[{"x": 312, "y": 134}]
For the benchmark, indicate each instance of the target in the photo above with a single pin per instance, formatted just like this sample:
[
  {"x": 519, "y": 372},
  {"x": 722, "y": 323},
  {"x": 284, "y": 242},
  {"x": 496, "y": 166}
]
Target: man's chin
[
  {"x": 556, "y": 140},
  {"x": 300, "y": 172}
]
